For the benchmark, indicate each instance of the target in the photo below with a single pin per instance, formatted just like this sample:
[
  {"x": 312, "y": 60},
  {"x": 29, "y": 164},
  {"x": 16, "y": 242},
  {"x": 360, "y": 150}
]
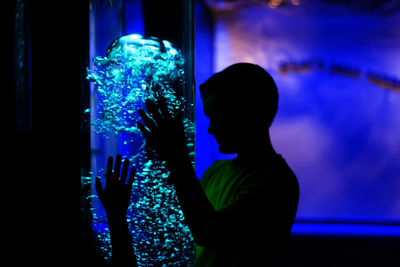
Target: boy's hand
[
  {"x": 117, "y": 194},
  {"x": 164, "y": 133}
]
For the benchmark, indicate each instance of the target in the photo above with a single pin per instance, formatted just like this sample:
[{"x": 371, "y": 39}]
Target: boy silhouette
[{"x": 241, "y": 211}]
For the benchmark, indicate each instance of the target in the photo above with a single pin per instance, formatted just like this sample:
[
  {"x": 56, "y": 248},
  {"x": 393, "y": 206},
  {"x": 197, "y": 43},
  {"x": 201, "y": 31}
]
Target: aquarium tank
[{"x": 138, "y": 50}]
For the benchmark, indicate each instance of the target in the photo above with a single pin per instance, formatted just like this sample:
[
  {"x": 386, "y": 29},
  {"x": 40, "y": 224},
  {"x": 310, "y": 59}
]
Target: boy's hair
[{"x": 246, "y": 87}]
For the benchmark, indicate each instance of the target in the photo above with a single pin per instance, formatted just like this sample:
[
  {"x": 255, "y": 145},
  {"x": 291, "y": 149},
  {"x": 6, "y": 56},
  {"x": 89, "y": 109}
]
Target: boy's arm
[
  {"x": 199, "y": 213},
  {"x": 121, "y": 243},
  {"x": 115, "y": 199},
  {"x": 166, "y": 135}
]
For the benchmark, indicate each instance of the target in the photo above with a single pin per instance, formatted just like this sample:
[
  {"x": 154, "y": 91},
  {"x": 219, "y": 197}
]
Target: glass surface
[{"x": 140, "y": 50}]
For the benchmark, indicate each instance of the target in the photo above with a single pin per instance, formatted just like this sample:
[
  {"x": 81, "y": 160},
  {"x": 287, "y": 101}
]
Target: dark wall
[
  {"x": 329, "y": 251},
  {"x": 49, "y": 188}
]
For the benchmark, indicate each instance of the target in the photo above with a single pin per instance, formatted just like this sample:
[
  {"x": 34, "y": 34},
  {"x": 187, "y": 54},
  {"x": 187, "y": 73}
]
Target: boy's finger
[
  {"x": 162, "y": 105},
  {"x": 143, "y": 129},
  {"x": 153, "y": 110},
  {"x": 124, "y": 173},
  {"x": 146, "y": 119},
  {"x": 131, "y": 178},
  {"x": 99, "y": 188},
  {"x": 117, "y": 167},
  {"x": 109, "y": 171}
]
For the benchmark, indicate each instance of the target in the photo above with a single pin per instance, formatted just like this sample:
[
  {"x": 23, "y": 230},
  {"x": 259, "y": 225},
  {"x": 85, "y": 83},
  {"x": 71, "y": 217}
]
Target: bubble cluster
[
  {"x": 161, "y": 235},
  {"x": 133, "y": 70},
  {"x": 136, "y": 69}
]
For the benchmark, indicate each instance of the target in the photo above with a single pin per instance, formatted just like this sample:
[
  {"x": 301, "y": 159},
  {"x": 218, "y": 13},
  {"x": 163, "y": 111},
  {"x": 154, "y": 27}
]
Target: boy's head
[{"x": 241, "y": 101}]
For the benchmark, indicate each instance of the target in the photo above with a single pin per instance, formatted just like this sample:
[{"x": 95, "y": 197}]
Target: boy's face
[{"x": 224, "y": 124}]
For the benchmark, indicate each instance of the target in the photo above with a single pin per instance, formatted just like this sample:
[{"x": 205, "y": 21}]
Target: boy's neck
[{"x": 257, "y": 150}]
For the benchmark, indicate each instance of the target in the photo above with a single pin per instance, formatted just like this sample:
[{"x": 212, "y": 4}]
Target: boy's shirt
[{"x": 259, "y": 202}]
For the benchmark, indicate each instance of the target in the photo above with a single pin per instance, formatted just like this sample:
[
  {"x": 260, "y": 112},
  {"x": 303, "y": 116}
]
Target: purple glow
[{"x": 338, "y": 131}]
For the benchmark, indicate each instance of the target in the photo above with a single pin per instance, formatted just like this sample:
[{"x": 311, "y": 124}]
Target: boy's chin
[{"x": 226, "y": 150}]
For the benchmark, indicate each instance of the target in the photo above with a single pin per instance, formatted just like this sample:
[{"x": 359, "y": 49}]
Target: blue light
[{"x": 345, "y": 229}]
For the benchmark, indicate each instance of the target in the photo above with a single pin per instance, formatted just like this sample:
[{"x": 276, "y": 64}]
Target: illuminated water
[{"x": 133, "y": 70}]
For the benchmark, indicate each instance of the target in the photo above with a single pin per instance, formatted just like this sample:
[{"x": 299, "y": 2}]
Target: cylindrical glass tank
[{"x": 139, "y": 49}]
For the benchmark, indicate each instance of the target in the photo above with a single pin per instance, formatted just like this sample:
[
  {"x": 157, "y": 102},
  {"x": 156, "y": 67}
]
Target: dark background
[{"x": 41, "y": 179}]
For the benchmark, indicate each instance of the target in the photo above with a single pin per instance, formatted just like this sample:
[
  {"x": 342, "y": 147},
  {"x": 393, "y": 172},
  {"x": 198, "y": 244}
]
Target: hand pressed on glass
[
  {"x": 164, "y": 132},
  {"x": 117, "y": 193}
]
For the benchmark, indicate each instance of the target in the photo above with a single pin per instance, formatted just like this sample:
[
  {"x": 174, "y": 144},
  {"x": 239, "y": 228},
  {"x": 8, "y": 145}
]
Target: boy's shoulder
[{"x": 217, "y": 165}]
